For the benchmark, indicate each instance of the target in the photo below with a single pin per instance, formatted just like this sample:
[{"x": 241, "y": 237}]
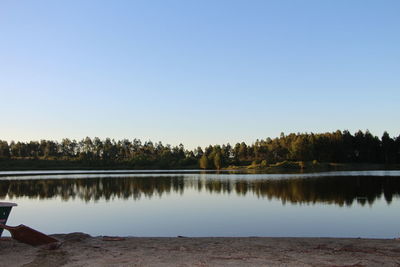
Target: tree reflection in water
[{"x": 341, "y": 191}]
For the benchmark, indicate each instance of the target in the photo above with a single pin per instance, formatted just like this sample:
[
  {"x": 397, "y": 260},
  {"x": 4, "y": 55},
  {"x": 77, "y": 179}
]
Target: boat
[{"x": 5, "y": 209}]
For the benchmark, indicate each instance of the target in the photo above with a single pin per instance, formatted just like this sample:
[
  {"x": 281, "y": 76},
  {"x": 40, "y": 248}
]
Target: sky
[{"x": 197, "y": 72}]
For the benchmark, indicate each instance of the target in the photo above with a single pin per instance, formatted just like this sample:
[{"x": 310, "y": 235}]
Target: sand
[{"x": 78, "y": 249}]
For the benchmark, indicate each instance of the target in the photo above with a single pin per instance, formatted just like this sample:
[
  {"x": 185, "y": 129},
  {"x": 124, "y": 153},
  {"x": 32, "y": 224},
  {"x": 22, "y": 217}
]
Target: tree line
[{"x": 332, "y": 147}]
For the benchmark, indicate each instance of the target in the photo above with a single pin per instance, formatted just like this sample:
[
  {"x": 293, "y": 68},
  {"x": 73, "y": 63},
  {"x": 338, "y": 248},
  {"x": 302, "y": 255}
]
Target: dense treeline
[{"x": 339, "y": 147}]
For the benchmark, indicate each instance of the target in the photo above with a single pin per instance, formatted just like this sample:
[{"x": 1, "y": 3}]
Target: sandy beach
[{"x": 78, "y": 249}]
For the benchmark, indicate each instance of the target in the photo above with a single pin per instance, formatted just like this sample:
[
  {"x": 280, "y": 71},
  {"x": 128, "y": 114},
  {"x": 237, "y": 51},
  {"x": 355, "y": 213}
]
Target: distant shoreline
[
  {"x": 280, "y": 167},
  {"x": 42, "y": 172},
  {"x": 294, "y": 152},
  {"x": 304, "y": 167}
]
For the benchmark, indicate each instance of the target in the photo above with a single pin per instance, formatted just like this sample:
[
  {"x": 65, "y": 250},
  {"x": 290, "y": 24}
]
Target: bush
[{"x": 264, "y": 164}]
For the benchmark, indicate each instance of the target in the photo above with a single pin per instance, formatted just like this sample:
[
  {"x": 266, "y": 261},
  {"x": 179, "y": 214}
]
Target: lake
[{"x": 194, "y": 203}]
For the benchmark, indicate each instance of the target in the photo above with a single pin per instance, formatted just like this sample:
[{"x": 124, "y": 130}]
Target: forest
[{"x": 300, "y": 148}]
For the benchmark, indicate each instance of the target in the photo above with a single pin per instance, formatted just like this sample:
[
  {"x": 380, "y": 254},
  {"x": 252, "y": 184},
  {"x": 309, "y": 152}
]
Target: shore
[
  {"x": 37, "y": 164},
  {"x": 78, "y": 249}
]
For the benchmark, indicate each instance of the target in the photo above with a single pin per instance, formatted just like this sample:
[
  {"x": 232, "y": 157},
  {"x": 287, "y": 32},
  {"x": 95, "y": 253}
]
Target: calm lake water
[{"x": 187, "y": 203}]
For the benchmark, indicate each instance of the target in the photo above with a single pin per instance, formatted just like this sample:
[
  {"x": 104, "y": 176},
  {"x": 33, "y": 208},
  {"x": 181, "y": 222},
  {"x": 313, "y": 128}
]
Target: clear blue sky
[{"x": 197, "y": 72}]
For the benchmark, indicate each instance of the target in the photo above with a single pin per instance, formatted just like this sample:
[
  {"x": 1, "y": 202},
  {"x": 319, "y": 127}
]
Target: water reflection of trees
[{"x": 331, "y": 190}]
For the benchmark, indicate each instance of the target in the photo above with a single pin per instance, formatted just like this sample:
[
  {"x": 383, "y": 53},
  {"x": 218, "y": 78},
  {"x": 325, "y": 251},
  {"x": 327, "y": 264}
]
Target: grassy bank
[
  {"x": 281, "y": 167},
  {"x": 301, "y": 166}
]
